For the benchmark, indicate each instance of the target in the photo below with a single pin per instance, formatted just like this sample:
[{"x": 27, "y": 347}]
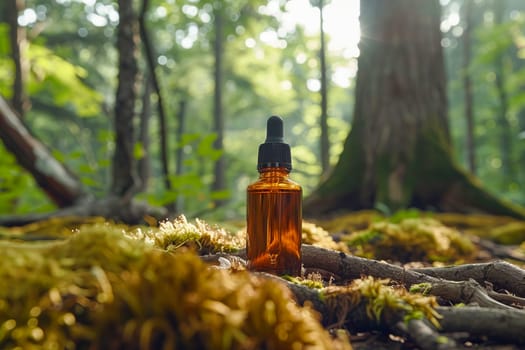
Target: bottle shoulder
[{"x": 275, "y": 183}]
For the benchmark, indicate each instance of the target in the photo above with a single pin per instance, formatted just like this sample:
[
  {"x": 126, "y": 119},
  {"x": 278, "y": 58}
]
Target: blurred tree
[
  {"x": 219, "y": 180},
  {"x": 325, "y": 137},
  {"x": 468, "y": 14},
  {"x": 57, "y": 180},
  {"x": 505, "y": 132},
  {"x": 73, "y": 78},
  {"x": 124, "y": 170},
  {"x": 151, "y": 55},
  {"x": 17, "y": 38},
  {"x": 398, "y": 152},
  {"x": 144, "y": 159}
]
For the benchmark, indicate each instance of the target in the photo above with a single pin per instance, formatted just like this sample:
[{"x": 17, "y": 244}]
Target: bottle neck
[{"x": 273, "y": 172}]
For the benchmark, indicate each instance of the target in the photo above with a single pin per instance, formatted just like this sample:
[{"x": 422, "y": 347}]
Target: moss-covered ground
[{"x": 73, "y": 283}]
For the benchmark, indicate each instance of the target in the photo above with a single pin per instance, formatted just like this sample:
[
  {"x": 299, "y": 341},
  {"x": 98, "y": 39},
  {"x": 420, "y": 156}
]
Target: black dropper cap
[{"x": 274, "y": 153}]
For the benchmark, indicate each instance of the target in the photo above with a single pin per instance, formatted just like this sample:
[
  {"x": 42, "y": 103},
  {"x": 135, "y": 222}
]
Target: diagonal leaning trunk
[
  {"x": 52, "y": 176},
  {"x": 398, "y": 152}
]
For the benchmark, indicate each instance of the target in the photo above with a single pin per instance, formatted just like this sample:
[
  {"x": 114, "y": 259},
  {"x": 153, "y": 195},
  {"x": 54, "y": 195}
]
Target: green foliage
[
  {"x": 191, "y": 183},
  {"x": 17, "y": 188},
  {"x": 491, "y": 45},
  {"x": 72, "y": 61},
  {"x": 62, "y": 80},
  {"x": 6, "y": 65}
]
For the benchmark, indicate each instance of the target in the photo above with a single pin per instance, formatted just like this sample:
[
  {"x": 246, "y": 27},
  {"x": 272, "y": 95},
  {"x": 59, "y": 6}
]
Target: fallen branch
[
  {"x": 501, "y": 274},
  {"x": 503, "y": 325}
]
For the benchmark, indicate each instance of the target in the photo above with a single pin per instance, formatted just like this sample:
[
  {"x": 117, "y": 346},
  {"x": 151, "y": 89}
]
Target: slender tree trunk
[
  {"x": 518, "y": 66},
  {"x": 468, "y": 14},
  {"x": 144, "y": 163},
  {"x": 179, "y": 154},
  {"x": 505, "y": 133},
  {"x": 218, "y": 114},
  {"x": 325, "y": 139},
  {"x": 521, "y": 138},
  {"x": 398, "y": 152},
  {"x": 150, "y": 59},
  {"x": 18, "y": 44},
  {"x": 124, "y": 170},
  {"x": 53, "y": 177}
]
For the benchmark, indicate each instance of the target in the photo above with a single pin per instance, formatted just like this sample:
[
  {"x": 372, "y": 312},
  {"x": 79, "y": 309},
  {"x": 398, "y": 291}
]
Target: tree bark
[
  {"x": 398, "y": 152},
  {"x": 124, "y": 170},
  {"x": 52, "y": 176}
]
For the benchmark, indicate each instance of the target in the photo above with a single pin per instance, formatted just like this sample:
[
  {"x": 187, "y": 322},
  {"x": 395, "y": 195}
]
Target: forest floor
[
  {"x": 424, "y": 240},
  {"x": 71, "y": 276}
]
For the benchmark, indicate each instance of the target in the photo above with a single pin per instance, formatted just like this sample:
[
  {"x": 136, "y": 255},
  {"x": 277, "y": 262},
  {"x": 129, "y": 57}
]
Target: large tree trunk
[
  {"x": 53, "y": 177},
  {"x": 124, "y": 170},
  {"x": 398, "y": 152}
]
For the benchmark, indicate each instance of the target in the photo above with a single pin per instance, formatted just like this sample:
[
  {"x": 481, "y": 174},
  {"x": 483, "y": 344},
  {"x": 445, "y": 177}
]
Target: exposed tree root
[
  {"x": 425, "y": 335},
  {"x": 474, "y": 321},
  {"x": 500, "y": 251},
  {"x": 347, "y": 267},
  {"x": 492, "y": 316},
  {"x": 501, "y": 274}
]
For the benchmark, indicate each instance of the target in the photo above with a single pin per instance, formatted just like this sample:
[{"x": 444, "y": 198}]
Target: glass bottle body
[{"x": 274, "y": 223}]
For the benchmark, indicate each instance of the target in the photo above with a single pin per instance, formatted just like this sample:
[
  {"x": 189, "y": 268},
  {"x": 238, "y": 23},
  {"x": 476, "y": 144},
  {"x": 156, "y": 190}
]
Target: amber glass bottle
[{"x": 274, "y": 211}]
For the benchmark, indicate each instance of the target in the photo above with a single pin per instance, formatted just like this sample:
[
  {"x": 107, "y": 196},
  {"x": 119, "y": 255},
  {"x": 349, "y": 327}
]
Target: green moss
[
  {"x": 314, "y": 281},
  {"x": 105, "y": 287},
  {"x": 180, "y": 232},
  {"x": 422, "y": 239},
  {"x": 422, "y": 288},
  {"x": 382, "y": 302},
  {"x": 316, "y": 235},
  {"x": 511, "y": 233}
]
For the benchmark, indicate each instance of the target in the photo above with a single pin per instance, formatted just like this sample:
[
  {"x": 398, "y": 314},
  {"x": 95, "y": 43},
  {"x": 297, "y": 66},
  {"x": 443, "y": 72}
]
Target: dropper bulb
[
  {"x": 274, "y": 152},
  {"x": 274, "y": 130}
]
